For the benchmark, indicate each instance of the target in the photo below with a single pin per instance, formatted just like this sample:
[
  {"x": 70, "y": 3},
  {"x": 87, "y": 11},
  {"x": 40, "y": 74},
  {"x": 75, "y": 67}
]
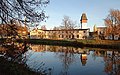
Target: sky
[{"x": 96, "y": 11}]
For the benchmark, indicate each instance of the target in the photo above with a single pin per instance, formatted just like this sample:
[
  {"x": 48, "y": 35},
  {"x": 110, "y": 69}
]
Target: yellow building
[
  {"x": 81, "y": 33},
  {"x": 59, "y": 34}
]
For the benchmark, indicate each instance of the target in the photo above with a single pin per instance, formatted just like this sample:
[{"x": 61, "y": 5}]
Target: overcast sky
[{"x": 96, "y": 11}]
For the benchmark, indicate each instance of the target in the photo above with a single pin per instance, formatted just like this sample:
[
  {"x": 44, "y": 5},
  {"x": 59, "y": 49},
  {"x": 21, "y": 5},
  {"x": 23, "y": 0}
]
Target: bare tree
[
  {"x": 68, "y": 23},
  {"x": 112, "y": 23},
  {"x": 43, "y": 27},
  {"x": 33, "y": 10},
  {"x": 23, "y": 11}
]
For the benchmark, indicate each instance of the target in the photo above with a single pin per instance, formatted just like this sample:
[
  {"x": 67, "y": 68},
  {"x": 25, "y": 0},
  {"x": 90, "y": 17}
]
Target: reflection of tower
[
  {"x": 83, "y": 58},
  {"x": 83, "y": 21}
]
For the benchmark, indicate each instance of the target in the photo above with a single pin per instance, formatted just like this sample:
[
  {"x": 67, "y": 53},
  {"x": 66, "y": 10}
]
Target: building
[
  {"x": 37, "y": 34},
  {"x": 100, "y": 33},
  {"x": 80, "y": 33},
  {"x": 83, "y": 21},
  {"x": 13, "y": 30}
]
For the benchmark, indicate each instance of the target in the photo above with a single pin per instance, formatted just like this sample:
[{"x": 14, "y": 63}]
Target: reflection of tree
[
  {"x": 112, "y": 63},
  {"x": 67, "y": 58},
  {"x": 34, "y": 64}
]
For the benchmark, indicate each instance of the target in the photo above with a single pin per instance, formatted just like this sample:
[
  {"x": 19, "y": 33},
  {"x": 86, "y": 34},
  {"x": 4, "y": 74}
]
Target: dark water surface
[{"x": 58, "y": 60}]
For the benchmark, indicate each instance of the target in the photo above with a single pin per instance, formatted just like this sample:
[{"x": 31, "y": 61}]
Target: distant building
[
  {"x": 37, "y": 34},
  {"x": 100, "y": 33},
  {"x": 13, "y": 30},
  {"x": 59, "y": 34},
  {"x": 80, "y": 33}
]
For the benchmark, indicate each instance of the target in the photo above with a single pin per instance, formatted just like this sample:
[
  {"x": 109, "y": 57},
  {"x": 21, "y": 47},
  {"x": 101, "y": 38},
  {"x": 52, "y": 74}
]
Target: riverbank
[
  {"x": 105, "y": 44},
  {"x": 13, "y": 68}
]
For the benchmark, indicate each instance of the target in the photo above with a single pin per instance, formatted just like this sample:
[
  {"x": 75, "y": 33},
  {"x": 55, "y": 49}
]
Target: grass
[
  {"x": 105, "y": 44},
  {"x": 110, "y": 44},
  {"x": 56, "y": 42}
]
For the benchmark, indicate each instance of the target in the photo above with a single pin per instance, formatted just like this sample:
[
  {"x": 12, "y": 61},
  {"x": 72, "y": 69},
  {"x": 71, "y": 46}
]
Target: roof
[
  {"x": 67, "y": 30},
  {"x": 83, "y": 17},
  {"x": 101, "y": 27}
]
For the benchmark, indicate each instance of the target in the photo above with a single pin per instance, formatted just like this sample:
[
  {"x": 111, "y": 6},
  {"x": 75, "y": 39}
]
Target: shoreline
[{"x": 105, "y": 44}]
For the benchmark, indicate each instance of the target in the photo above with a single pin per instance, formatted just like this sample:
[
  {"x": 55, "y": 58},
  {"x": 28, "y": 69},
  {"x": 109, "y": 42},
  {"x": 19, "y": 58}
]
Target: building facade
[
  {"x": 59, "y": 34},
  {"x": 80, "y": 33},
  {"x": 100, "y": 33}
]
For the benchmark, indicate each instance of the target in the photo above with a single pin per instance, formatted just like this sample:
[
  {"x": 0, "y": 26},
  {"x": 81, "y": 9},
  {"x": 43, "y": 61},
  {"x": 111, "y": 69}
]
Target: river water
[{"x": 58, "y": 60}]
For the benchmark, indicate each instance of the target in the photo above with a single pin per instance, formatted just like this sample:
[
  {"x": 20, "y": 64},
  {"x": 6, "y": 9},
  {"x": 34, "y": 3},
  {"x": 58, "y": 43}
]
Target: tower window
[{"x": 84, "y": 31}]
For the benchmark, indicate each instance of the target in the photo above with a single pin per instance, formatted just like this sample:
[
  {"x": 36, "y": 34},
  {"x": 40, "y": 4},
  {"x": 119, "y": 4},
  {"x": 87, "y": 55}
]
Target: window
[
  {"x": 39, "y": 32},
  {"x": 59, "y": 36},
  {"x": 62, "y": 36},
  {"x": 77, "y": 36},
  {"x": 72, "y": 36},
  {"x": 84, "y": 31},
  {"x": 69, "y": 36}
]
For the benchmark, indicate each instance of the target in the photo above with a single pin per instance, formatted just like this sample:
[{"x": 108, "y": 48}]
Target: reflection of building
[
  {"x": 100, "y": 53},
  {"x": 63, "y": 33},
  {"x": 83, "y": 59},
  {"x": 38, "y": 48}
]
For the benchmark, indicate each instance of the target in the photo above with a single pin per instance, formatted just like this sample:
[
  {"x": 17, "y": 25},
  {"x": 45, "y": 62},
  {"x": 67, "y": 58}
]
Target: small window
[
  {"x": 77, "y": 36},
  {"x": 62, "y": 36},
  {"x": 59, "y": 36},
  {"x": 84, "y": 31},
  {"x": 72, "y": 36},
  {"x": 69, "y": 36}
]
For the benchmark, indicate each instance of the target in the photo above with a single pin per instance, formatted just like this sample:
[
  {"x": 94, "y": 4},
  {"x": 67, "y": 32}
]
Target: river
[{"x": 58, "y": 60}]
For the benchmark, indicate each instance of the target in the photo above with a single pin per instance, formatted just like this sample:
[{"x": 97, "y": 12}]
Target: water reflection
[
  {"x": 74, "y": 61},
  {"x": 16, "y": 53},
  {"x": 58, "y": 60}
]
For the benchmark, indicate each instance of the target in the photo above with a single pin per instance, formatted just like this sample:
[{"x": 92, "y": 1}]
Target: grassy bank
[
  {"x": 107, "y": 44},
  {"x": 112, "y": 44},
  {"x": 56, "y": 42}
]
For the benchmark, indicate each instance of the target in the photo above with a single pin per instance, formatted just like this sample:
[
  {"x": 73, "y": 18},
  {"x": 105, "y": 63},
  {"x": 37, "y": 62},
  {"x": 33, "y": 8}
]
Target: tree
[
  {"x": 112, "y": 23},
  {"x": 33, "y": 10},
  {"x": 43, "y": 27},
  {"x": 68, "y": 23},
  {"x": 22, "y": 11}
]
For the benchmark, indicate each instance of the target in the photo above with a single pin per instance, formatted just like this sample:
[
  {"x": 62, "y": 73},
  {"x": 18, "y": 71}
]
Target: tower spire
[{"x": 83, "y": 21}]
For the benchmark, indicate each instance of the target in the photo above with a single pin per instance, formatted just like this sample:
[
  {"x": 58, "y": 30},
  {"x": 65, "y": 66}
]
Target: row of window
[
  {"x": 65, "y": 36},
  {"x": 60, "y": 36},
  {"x": 65, "y": 32}
]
